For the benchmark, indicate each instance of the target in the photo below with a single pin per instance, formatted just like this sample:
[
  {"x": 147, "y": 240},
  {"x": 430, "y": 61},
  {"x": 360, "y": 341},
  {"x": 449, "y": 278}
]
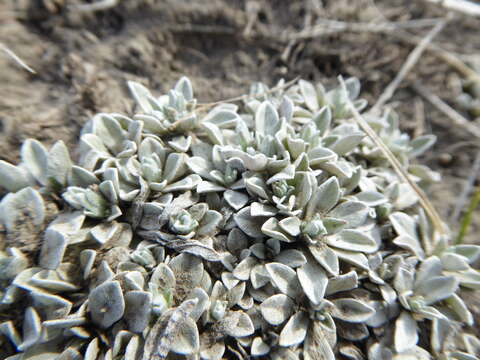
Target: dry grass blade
[
  {"x": 456, "y": 118},
  {"x": 328, "y": 26},
  {"x": 16, "y": 58},
  {"x": 463, "y": 6},
  {"x": 97, "y": 6},
  {"x": 424, "y": 201},
  {"x": 408, "y": 65}
]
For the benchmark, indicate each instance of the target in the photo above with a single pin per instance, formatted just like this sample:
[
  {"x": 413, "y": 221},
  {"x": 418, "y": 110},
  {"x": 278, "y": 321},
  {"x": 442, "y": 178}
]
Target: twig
[
  {"x": 466, "y": 190},
  {"x": 419, "y": 117},
  {"x": 97, "y": 6},
  {"x": 327, "y": 26},
  {"x": 452, "y": 60},
  {"x": 456, "y": 118},
  {"x": 408, "y": 65},
  {"x": 424, "y": 201},
  {"x": 16, "y": 58},
  {"x": 464, "y": 6},
  {"x": 467, "y": 218}
]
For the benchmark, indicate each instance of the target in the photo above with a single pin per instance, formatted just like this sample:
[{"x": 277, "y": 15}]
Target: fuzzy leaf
[{"x": 295, "y": 331}]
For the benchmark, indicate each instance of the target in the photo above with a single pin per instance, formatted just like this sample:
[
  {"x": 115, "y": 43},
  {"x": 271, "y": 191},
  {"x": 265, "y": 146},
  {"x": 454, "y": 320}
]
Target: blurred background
[{"x": 83, "y": 52}]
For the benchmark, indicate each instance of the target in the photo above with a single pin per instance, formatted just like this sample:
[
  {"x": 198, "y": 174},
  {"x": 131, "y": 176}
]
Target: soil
[{"x": 83, "y": 60}]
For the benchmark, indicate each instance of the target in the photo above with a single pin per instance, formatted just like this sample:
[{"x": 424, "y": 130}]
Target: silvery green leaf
[
  {"x": 309, "y": 94},
  {"x": 471, "y": 252},
  {"x": 184, "y": 87},
  {"x": 458, "y": 306},
  {"x": 259, "y": 347},
  {"x": 59, "y": 164},
  {"x": 13, "y": 178},
  {"x": 188, "y": 268},
  {"x": 381, "y": 315},
  {"x": 196, "y": 248},
  {"x": 340, "y": 168},
  {"x": 81, "y": 177},
  {"x": 371, "y": 198},
  {"x": 238, "y": 324},
  {"x": 35, "y": 158},
  {"x": 236, "y": 241},
  {"x": 325, "y": 257},
  {"x": 405, "y": 227},
  {"x": 32, "y": 327},
  {"x": 354, "y": 258},
  {"x": 406, "y": 332},
  {"x": 213, "y": 132},
  {"x": 50, "y": 306},
  {"x": 437, "y": 288},
  {"x": 429, "y": 268},
  {"x": 354, "y": 212},
  {"x": 163, "y": 278},
  {"x": 222, "y": 118},
  {"x": 334, "y": 225},
  {"x": 272, "y": 228},
  {"x": 291, "y": 257},
  {"x": 296, "y": 147},
  {"x": 243, "y": 269},
  {"x": 252, "y": 226},
  {"x": 140, "y": 93},
  {"x": 259, "y": 276},
  {"x": 187, "y": 339},
  {"x": 324, "y": 198},
  {"x": 352, "y": 310},
  {"x": 181, "y": 143},
  {"x": 87, "y": 258},
  {"x": 137, "y": 310},
  {"x": 454, "y": 262},
  {"x": 235, "y": 199},
  {"x": 347, "y": 143},
  {"x": 266, "y": 119},
  {"x": 404, "y": 280},
  {"x": 290, "y": 225},
  {"x": 257, "y": 186},
  {"x": 26, "y": 205},
  {"x": 342, "y": 282},
  {"x": 106, "y": 304},
  {"x": 175, "y": 166},
  {"x": 421, "y": 144},
  {"x": 320, "y": 340},
  {"x": 323, "y": 119},
  {"x": 209, "y": 223},
  {"x": 295, "y": 331},
  {"x": 352, "y": 331},
  {"x": 287, "y": 173},
  {"x": 469, "y": 279},
  {"x": 53, "y": 248},
  {"x": 285, "y": 279},
  {"x": 277, "y": 309},
  {"x": 204, "y": 187},
  {"x": 320, "y": 155},
  {"x": 353, "y": 240},
  {"x": 313, "y": 280}
]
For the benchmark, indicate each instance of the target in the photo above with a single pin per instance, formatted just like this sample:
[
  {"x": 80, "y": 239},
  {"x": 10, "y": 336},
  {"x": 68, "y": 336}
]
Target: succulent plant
[{"x": 275, "y": 229}]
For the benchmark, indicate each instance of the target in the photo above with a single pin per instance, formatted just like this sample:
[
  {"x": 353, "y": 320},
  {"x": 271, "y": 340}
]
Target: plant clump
[{"x": 276, "y": 229}]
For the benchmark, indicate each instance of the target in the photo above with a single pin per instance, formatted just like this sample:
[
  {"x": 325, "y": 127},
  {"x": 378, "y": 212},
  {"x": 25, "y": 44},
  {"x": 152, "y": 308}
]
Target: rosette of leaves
[
  {"x": 275, "y": 229},
  {"x": 173, "y": 112},
  {"x": 38, "y": 167}
]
